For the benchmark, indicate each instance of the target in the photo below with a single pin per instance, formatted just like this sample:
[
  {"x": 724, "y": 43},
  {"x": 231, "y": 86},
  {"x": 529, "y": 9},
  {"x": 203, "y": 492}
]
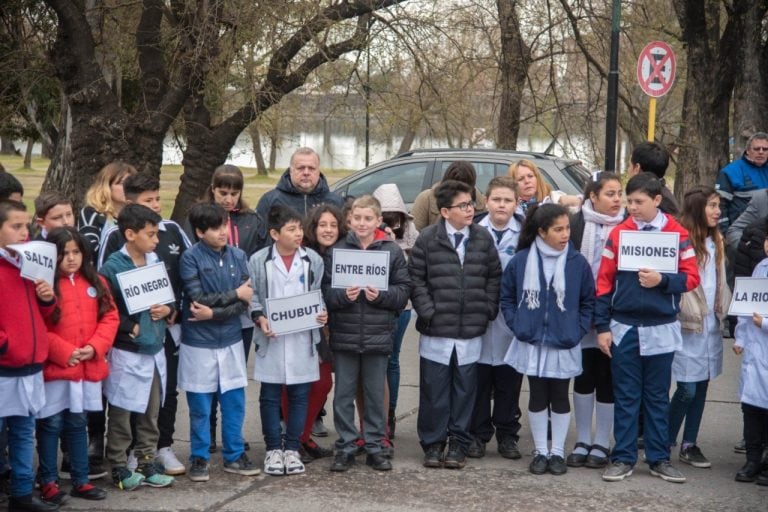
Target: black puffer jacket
[
  {"x": 451, "y": 300},
  {"x": 288, "y": 195},
  {"x": 750, "y": 250},
  {"x": 361, "y": 326}
]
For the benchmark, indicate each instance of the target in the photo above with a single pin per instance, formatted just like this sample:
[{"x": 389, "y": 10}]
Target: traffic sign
[{"x": 656, "y": 69}]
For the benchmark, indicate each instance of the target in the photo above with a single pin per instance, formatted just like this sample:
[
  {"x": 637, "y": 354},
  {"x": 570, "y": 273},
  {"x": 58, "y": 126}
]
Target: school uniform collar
[
  {"x": 658, "y": 222},
  {"x": 150, "y": 257},
  {"x": 513, "y": 224},
  {"x": 451, "y": 230}
]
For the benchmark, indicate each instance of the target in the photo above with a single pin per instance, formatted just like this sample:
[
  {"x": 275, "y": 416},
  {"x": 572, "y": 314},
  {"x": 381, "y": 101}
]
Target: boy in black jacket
[{"x": 456, "y": 273}]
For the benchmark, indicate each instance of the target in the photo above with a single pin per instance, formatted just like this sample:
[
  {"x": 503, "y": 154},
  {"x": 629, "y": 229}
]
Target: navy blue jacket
[
  {"x": 547, "y": 324},
  {"x": 211, "y": 278}
]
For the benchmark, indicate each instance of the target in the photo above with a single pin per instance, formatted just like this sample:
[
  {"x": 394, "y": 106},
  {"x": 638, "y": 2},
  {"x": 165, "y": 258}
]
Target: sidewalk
[{"x": 488, "y": 484}]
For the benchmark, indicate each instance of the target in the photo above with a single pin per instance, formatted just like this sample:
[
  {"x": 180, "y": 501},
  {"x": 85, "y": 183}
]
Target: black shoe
[
  {"x": 391, "y": 422},
  {"x": 455, "y": 458},
  {"x": 315, "y": 451},
  {"x": 96, "y": 469},
  {"x": 342, "y": 461},
  {"x": 433, "y": 456},
  {"x": 378, "y": 462},
  {"x": 577, "y": 460},
  {"x": 476, "y": 449},
  {"x": 539, "y": 465},
  {"x": 96, "y": 446},
  {"x": 762, "y": 478},
  {"x": 749, "y": 472},
  {"x": 88, "y": 492},
  {"x": 508, "y": 448},
  {"x": 557, "y": 465},
  {"x": 30, "y": 502},
  {"x": 597, "y": 461}
]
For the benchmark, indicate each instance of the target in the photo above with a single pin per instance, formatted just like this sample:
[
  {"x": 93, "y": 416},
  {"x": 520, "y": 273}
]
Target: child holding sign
[
  {"x": 752, "y": 343},
  {"x": 138, "y": 368},
  {"x": 82, "y": 330},
  {"x": 547, "y": 299},
  {"x": 702, "y": 310},
  {"x": 284, "y": 269},
  {"x": 23, "y": 349},
  {"x": 363, "y": 323},
  {"x": 211, "y": 357},
  {"x": 637, "y": 326}
]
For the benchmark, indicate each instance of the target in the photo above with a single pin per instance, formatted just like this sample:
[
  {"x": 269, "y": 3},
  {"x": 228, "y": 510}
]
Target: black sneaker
[
  {"x": 315, "y": 451},
  {"x": 557, "y": 465},
  {"x": 433, "y": 456},
  {"x": 96, "y": 469},
  {"x": 242, "y": 466},
  {"x": 740, "y": 447},
  {"x": 762, "y": 478},
  {"x": 667, "y": 472},
  {"x": 455, "y": 458},
  {"x": 617, "y": 471},
  {"x": 51, "y": 494},
  {"x": 198, "y": 470},
  {"x": 508, "y": 448},
  {"x": 693, "y": 456},
  {"x": 539, "y": 464},
  {"x": 748, "y": 472},
  {"x": 30, "y": 502},
  {"x": 342, "y": 461},
  {"x": 378, "y": 462},
  {"x": 476, "y": 449}
]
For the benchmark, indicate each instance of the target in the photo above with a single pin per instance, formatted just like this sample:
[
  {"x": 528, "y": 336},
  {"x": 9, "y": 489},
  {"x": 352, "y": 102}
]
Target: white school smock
[
  {"x": 130, "y": 379},
  {"x": 701, "y": 356},
  {"x": 76, "y": 395},
  {"x": 206, "y": 370},
  {"x": 753, "y": 380},
  {"x": 22, "y": 396},
  {"x": 291, "y": 358}
]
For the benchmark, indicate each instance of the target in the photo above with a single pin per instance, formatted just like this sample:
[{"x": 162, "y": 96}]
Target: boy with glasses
[{"x": 456, "y": 274}]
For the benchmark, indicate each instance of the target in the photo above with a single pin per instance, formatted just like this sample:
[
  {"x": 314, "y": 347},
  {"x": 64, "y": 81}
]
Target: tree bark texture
[{"x": 514, "y": 61}]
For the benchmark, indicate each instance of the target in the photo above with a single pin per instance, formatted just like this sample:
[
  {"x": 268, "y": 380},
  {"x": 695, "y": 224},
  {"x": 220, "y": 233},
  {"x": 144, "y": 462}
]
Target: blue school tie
[
  {"x": 648, "y": 227},
  {"x": 499, "y": 234},
  {"x": 457, "y": 237}
]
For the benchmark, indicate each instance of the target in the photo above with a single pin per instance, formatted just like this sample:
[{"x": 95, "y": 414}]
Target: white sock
[
  {"x": 560, "y": 424},
  {"x": 538, "y": 422},
  {"x": 603, "y": 424},
  {"x": 582, "y": 410}
]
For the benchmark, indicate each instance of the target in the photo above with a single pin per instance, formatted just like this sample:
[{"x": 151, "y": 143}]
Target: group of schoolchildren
[{"x": 530, "y": 290}]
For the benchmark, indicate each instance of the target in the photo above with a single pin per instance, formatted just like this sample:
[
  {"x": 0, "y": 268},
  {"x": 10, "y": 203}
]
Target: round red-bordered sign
[{"x": 656, "y": 69}]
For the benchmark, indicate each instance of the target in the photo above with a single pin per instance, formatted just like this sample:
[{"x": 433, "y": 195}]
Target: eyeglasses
[
  {"x": 759, "y": 149},
  {"x": 464, "y": 206}
]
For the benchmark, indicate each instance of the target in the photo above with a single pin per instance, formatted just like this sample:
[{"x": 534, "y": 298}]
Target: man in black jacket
[{"x": 456, "y": 274}]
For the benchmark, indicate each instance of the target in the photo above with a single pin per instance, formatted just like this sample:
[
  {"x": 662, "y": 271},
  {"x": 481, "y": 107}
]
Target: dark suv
[{"x": 419, "y": 169}]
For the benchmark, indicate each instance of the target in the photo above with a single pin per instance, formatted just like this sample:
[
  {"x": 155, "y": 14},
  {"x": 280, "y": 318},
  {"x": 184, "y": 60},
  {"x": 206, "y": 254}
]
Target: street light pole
[{"x": 613, "y": 91}]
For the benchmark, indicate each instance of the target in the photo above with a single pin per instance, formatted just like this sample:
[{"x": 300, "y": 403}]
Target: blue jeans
[
  {"x": 393, "y": 365},
  {"x": 640, "y": 381},
  {"x": 72, "y": 428},
  {"x": 687, "y": 402},
  {"x": 269, "y": 405},
  {"x": 4, "y": 449},
  {"x": 232, "y": 416},
  {"x": 21, "y": 446}
]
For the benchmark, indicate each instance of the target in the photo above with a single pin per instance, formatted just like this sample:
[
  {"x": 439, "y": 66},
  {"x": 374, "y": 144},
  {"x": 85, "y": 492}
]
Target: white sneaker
[
  {"x": 273, "y": 463},
  {"x": 292, "y": 462},
  {"x": 172, "y": 465},
  {"x": 133, "y": 462}
]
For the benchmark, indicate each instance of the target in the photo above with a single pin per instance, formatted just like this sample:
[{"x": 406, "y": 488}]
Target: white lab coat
[
  {"x": 130, "y": 379},
  {"x": 753, "y": 382}
]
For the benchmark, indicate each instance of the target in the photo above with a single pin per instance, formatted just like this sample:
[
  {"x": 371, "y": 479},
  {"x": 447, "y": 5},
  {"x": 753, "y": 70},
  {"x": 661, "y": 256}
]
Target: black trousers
[
  {"x": 446, "y": 402},
  {"x": 755, "y": 427},
  {"x": 166, "y": 419},
  {"x": 502, "y": 385}
]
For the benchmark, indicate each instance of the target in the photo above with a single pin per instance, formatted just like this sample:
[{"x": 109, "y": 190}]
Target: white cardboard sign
[
  {"x": 654, "y": 250},
  {"x": 750, "y": 295},
  {"x": 360, "y": 268},
  {"x": 144, "y": 287},
  {"x": 296, "y": 313},
  {"x": 38, "y": 260}
]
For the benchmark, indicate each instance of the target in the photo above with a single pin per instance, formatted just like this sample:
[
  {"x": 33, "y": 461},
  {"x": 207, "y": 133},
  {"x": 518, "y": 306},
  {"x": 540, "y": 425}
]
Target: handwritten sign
[
  {"x": 360, "y": 268},
  {"x": 750, "y": 295},
  {"x": 296, "y": 313},
  {"x": 144, "y": 287},
  {"x": 38, "y": 260},
  {"x": 654, "y": 250}
]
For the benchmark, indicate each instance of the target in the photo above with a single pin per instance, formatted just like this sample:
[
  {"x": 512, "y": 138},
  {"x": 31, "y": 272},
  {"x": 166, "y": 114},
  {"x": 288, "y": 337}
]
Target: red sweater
[
  {"x": 23, "y": 338},
  {"x": 79, "y": 326}
]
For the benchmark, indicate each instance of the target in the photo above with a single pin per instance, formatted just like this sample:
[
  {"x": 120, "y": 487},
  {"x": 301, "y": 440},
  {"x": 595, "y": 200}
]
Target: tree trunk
[
  {"x": 273, "y": 145},
  {"x": 28, "y": 153},
  {"x": 750, "y": 97},
  {"x": 710, "y": 53},
  {"x": 514, "y": 61},
  {"x": 257, "y": 152}
]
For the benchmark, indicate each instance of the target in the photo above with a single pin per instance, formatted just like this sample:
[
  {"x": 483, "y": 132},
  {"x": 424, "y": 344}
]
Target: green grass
[{"x": 255, "y": 185}]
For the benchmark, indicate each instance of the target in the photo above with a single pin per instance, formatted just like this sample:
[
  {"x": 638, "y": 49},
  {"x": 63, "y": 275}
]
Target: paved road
[{"x": 488, "y": 484}]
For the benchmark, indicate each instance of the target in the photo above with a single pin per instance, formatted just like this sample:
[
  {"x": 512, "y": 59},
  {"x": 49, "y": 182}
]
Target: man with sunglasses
[{"x": 739, "y": 180}]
